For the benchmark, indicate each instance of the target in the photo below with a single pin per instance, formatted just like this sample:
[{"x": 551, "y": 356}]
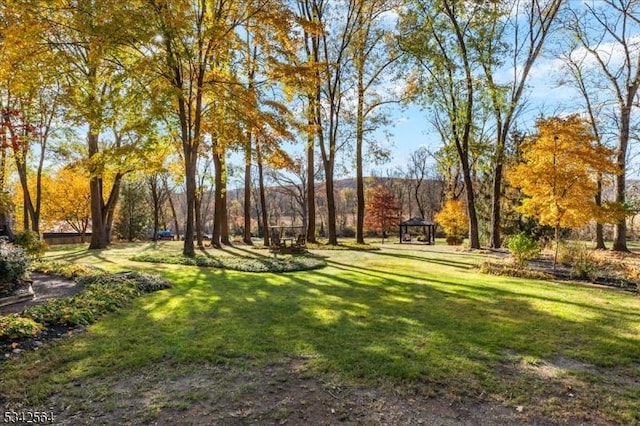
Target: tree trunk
[
  {"x": 29, "y": 218},
  {"x": 175, "y": 215},
  {"x": 311, "y": 178},
  {"x": 331, "y": 204},
  {"x": 98, "y": 234},
  {"x": 224, "y": 214},
  {"x": 496, "y": 237},
  {"x": 359, "y": 171},
  {"x": 197, "y": 211},
  {"x": 555, "y": 255},
  {"x": 110, "y": 207},
  {"x": 600, "y": 245},
  {"x": 263, "y": 202},
  {"x": 620, "y": 236},
  {"x": 154, "y": 187},
  {"x": 217, "y": 210},
  {"x": 190, "y": 183},
  {"x": 474, "y": 240},
  {"x": 247, "y": 191}
]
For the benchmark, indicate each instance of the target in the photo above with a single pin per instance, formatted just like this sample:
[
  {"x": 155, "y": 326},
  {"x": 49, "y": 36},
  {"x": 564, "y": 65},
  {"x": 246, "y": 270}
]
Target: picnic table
[{"x": 285, "y": 245}]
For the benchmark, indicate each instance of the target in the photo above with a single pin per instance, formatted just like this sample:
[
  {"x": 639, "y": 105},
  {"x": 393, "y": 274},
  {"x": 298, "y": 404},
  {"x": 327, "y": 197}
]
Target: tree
[
  {"x": 292, "y": 184},
  {"x": 607, "y": 31},
  {"x": 194, "y": 46},
  {"x": 310, "y": 12},
  {"x": 425, "y": 185},
  {"x": 30, "y": 92},
  {"x": 578, "y": 70},
  {"x": 383, "y": 210},
  {"x": 439, "y": 35},
  {"x": 454, "y": 221},
  {"x": 88, "y": 40},
  {"x": 66, "y": 198},
  {"x": 372, "y": 59},
  {"x": 132, "y": 222},
  {"x": 558, "y": 174},
  {"x": 158, "y": 196},
  {"x": 339, "y": 21},
  {"x": 190, "y": 38},
  {"x": 519, "y": 33}
]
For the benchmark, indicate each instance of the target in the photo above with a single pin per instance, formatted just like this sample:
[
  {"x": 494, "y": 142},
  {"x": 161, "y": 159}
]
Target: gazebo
[{"x": 426, "y": 230}]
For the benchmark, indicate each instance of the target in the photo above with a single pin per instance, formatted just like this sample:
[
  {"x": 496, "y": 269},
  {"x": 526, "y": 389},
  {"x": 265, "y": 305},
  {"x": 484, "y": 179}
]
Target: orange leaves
[
  {"x": 383, "y": 209},
  {"x": 559, "y": 173}
]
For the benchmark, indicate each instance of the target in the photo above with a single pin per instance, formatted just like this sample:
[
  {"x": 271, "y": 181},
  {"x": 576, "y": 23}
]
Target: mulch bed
[{"x": 566, "y": 273}]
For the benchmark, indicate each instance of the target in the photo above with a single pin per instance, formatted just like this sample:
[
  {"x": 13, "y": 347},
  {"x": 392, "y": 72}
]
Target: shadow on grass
[{"x": 357, "y": 322}]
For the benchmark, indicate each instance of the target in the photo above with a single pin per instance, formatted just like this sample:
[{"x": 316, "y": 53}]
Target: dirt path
[{"x": 281, "y": 393}]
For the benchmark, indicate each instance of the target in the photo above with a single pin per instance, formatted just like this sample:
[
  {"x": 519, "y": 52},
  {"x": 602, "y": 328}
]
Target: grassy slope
[{"x": 419, "y": 318}]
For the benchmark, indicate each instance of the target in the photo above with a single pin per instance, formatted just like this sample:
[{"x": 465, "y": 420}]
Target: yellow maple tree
[
  {"x": 558, "y": 174},
  {"x": 454, "y": 220},
  {"x": 66, "y": 199}
]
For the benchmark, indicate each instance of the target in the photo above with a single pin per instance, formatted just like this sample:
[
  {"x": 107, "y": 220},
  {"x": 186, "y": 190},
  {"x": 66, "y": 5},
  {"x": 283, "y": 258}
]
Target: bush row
[
  {"x": 244, "y": 264},
  {"x": 102, "y": 293}
]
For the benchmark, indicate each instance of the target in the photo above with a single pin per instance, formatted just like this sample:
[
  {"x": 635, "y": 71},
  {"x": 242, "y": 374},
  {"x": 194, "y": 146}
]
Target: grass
[{"x": 421, "y": 319}]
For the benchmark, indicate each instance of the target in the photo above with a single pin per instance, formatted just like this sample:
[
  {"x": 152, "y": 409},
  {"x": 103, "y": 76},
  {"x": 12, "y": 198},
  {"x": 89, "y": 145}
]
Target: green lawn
[{"x": 421, "y": 319}]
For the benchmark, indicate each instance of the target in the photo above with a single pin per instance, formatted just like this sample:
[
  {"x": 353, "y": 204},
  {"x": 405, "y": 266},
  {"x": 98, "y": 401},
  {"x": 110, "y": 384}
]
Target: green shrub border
[{"x": 102, "y": 293}]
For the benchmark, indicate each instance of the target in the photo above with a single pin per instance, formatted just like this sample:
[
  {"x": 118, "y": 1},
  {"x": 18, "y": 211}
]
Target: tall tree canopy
[{"x": 558, "y": 173}]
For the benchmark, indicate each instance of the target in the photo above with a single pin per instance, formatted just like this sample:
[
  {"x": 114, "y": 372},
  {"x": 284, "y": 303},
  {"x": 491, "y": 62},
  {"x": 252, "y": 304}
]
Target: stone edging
[{"x": 28, "y": 295}]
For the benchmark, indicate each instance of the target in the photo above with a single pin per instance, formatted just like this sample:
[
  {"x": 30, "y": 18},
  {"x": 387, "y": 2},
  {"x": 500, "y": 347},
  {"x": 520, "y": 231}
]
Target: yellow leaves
[
  {"x": 65, "y": 197},
  {"x": 279, "y": 159},
  {"x": 453, "y": 218},
  {"x": 559, "y": 173}
]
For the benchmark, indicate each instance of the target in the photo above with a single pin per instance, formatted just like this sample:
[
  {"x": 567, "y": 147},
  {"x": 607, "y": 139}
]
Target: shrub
[
  {"x": 14, "y": 266},
  {"x": 16, "y": 327},
  {"x": 502, "y": 269},
  {"x": 581, "y": 259},
  {"x": 31, "y": 243},
  {"x": 454, "y": 240},
  {"x": 523, "y": 248},
  {"x": 348, "y": 232}
]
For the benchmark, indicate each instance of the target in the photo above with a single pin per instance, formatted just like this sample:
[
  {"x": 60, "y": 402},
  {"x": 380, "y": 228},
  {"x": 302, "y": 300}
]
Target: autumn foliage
[
  {"x": 383, "y": 209},
  {"x": 559, "y": 172},
  {"x": 66, "y": 199},
  {"x": 454, "y": 221}
]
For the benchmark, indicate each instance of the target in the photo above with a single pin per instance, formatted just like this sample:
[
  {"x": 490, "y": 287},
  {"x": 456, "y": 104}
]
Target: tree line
[{"x": 172, "y": 88}]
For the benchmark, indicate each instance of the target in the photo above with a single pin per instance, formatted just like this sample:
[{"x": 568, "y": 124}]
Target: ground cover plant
[
  {"x": 102, "y": 293},
  {"x": 373, "y": 331},
  {"x": 238, "y": 263}
]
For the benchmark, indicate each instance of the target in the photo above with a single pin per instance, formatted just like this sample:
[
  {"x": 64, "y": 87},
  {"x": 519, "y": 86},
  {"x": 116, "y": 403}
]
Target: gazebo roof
[{"x": 416, "y": 221}]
